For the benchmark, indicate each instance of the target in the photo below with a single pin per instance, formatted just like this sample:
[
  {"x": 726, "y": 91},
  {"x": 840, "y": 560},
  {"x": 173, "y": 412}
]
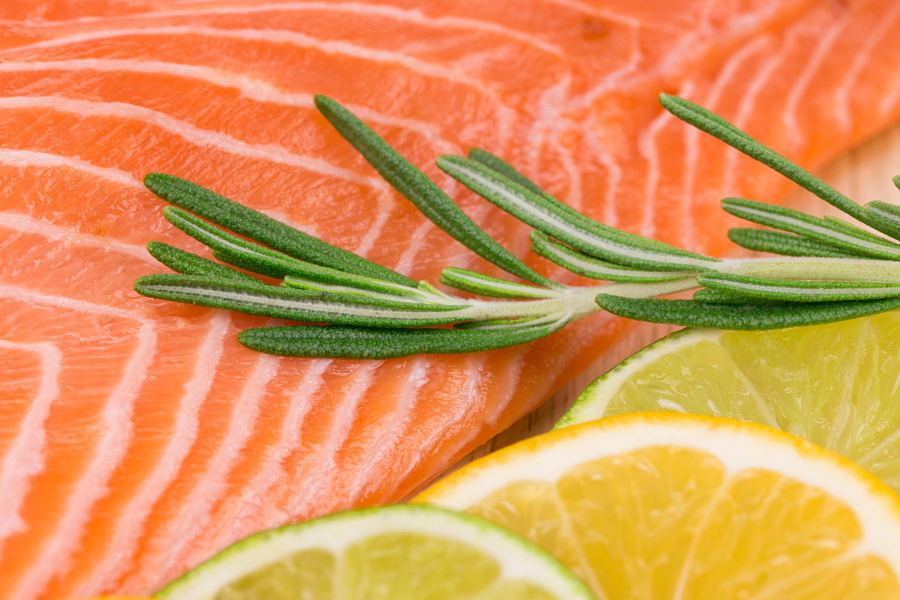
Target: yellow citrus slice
[
  {"x": 666, "y": 506},
  {"x": 394, "y": 553},
  {"x": 837, "y": 384}
]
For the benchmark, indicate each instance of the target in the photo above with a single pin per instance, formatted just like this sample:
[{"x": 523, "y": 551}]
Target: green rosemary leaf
[
  {"x": 821, "y": 269},
  {"x": 560, "y": 221},
  {"x": 232, "y": 249},
  {"x": 885, "y": 214},
  {"x": 717, "y": 297},
  {"x": 800, "y": 223},
  {"x": 588, "y": 266},
  {"x": 253, "y": 257},
  {"x": 853, "y": 230},
  {"x": 252, "y": 265},
  {"x": 494, "y": 323},
  {"x": 191, "y": 264},
  {"x": 539, "y": 204},
  {"x": 797, "y": 291},
  {"x": 365, "y": 288},
  {"x": 670, "y": 103},
  {"x": 265, "y": 230},
  {"x": 416, "y": 187},
  {"x": 429, "y": 289},
  {"x": 691, "y": 313},
  {"x": 501, "y": 324},
  {"x": 298, "y": 305},
  {"x": 470, "y": 281},
  {"x": 714, "y": 125},
  {"x": 504, "y": 168},
  {"x": 360, "y": 342},
  {"x": 786, "y": 244}
]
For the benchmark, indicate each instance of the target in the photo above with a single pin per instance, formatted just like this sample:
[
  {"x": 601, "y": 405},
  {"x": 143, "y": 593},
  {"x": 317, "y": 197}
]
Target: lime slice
[
  {"x": 393, "y": 553},
  {"x": 837, "y": 385},
  {"x": 667, "y": 506}
]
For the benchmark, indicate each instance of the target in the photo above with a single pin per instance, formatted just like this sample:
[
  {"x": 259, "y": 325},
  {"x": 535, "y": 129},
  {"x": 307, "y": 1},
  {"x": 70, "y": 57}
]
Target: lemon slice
[
  {"x": 837, "y": 385},
  {"x": 393, "y": 553},
  {"x": 665, "y": 506}
]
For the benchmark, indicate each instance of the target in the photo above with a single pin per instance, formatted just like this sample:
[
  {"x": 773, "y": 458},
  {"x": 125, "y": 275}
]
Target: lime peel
[{"x": 519, "y": 560}]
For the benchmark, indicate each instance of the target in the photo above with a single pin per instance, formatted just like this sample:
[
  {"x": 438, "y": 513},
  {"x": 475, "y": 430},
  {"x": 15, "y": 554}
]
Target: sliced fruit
[
  {"x": 837, "y": 385},
  {"x": 393, "y": 553},
  {"x": 658, "y": 506}
]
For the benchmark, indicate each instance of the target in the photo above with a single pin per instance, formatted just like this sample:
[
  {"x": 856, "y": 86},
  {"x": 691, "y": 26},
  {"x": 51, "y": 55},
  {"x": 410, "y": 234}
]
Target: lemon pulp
[{"x": 652, "y": 506}]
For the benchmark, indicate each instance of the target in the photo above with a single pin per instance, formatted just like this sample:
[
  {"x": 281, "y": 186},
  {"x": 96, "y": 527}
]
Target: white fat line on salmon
[
  {"x": 890, "y": 99},
  {"x": 506, "y": 382},
  {"x": 251, "y": 88},
  {"x": 21, "y": 293},
  {"x": 417, "y": 240},
  {"x": 321, "y": 471},
  {"x": 397, "y": 14},
  {"x": 195, "y": 135},
  {"x": 617, "y": 79},
  {"x": 614, "y": 172},
  {"x": 204, "y": 137},
  {"x": 26, "y": 224},
  {"x": 131, "y": 523},
  {"x": 25, "y": 454},
  {"x": 504, "y": 114},
  {"x": 56, "y": 554},
  {"x": 647, "y": 146},
  {"x": 257, "y": 490},
  {"x": 732, "y": 69},
  {"x": 449, "y": 428},
  {"x": 391, "y": 434},
  {"x": 198, "y": 509},
  {"x": 811, "y": 66},
  {"x": 861, "y": 57},
  {"x": 33, "y": 158},
  {"x": 545, "y": 132},
  {"x": 594, "y": 11},
  {"x": 280, "y": 36},
  {"x": 747, "y": 105}
]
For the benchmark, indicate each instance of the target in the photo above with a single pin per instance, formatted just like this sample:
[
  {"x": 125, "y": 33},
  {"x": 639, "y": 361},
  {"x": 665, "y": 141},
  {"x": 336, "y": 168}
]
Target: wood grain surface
[{"x": 864, "y": 174}]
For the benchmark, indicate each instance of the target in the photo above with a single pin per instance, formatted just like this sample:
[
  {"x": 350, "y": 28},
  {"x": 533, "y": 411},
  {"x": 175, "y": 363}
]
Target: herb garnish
[{"x": 830, "y": 270}]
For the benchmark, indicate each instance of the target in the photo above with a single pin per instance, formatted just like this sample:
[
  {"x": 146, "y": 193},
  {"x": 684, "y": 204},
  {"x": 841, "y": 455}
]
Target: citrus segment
[
  {"x": 652, "y": 506},
  {"x": 836, "y": 384},
  {"x": 393, "y": 553}
]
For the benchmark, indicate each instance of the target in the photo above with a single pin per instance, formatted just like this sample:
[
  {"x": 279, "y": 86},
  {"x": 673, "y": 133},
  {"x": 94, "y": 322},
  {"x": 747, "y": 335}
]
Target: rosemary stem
[
  {"x": 576, "y": 301},
  {"x": 649, "y": 290},
  {"x": 812, "y": 268}
]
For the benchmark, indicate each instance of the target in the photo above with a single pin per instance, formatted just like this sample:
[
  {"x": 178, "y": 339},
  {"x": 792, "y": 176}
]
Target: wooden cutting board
[{"x": 864, "y": 174}]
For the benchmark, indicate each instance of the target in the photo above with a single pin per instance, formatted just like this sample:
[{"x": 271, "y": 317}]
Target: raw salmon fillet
[{"x": 136, "y": 436}]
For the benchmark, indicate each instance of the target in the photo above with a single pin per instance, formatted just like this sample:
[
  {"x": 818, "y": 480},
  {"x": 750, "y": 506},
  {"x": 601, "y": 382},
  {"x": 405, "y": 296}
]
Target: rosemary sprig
[{"x": 829, "y": 270}]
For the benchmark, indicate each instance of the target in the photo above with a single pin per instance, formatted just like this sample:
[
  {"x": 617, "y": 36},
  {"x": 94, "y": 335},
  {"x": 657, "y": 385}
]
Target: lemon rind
[{"x": 738, "y": 445}]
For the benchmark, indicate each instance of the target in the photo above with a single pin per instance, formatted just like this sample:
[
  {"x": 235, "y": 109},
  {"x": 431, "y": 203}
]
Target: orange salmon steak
[{"x": 137, "y": 437}]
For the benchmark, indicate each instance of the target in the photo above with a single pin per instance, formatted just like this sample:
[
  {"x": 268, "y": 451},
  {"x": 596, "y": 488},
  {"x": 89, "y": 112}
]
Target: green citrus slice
[
  {"x": 837, "y": 385},
  {"x": 393, "y": 553}
]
